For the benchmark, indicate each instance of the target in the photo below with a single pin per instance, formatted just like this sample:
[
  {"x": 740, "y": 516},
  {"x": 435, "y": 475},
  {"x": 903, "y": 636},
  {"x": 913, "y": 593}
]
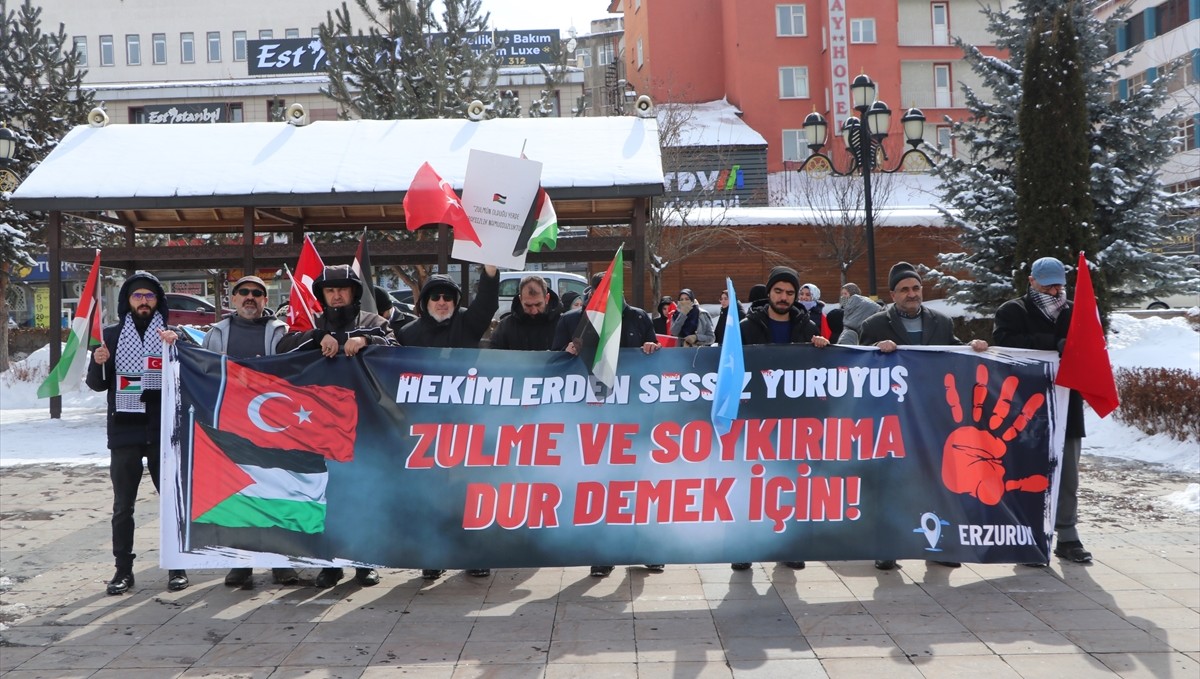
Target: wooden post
[{"x": 54, "y": 245}]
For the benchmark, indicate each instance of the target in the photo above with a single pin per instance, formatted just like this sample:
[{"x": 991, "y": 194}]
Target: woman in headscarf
[
  {"x": 662, "y": 321},
  {"x": 809, "y": 297},
  {"x": 691, "y": 324}
]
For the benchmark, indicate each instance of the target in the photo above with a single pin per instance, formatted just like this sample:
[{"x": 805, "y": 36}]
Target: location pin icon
[{"x": 931, "y": 526}]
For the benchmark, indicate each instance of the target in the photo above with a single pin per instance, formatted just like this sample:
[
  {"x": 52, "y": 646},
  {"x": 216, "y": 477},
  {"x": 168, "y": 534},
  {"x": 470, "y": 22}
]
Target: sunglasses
[
  {"x": 253, "y": 292},
  {"x": 143, "y": 296},
  {"x": 441, "y": 297}
]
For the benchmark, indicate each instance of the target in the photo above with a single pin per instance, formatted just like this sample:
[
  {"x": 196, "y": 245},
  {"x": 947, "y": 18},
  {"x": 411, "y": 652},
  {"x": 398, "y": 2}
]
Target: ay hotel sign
[{"x": 839, "y": 63}]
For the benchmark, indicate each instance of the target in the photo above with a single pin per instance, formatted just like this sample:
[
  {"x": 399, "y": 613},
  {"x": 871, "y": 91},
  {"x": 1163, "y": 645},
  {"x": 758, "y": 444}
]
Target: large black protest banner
[{"x": 464, "y": 458}]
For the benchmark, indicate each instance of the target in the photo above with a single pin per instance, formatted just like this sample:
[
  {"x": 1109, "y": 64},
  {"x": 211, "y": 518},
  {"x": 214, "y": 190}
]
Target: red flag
[
  {"x": 1085, "y": 366},
  {"x": 302, "y": 304},
  {"x": 271, "y": 412},
  {"x": 430, "y": 200}
]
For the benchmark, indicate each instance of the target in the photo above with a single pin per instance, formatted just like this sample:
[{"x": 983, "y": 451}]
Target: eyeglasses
[
  {"x": 441, "y": 297},
  {"x": 143, "y": 296},
  {"x": 253, "y": 292}
]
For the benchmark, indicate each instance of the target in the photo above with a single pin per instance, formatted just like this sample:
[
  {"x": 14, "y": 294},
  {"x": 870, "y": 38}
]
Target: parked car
[{"x": 192, "y": 310}]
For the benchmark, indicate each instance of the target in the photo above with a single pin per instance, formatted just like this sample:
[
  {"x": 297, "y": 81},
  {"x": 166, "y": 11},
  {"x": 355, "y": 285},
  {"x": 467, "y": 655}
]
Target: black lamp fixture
[
  {"x": 8, "y": 154},
  {"x": 863, "y": 136}
]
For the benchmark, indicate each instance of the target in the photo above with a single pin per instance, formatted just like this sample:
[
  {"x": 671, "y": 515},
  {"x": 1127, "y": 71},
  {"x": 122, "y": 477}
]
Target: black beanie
[
  {"x": 758, "y": 291},
  {"x": 383, "y": 301},
  {"x": 786, "y": 274},
  {"x": 899, "y": 272}
]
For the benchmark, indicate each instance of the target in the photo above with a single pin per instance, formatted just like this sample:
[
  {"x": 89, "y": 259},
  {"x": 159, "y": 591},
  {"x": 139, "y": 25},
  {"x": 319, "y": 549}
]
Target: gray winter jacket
[
  {"x": 217, "y": 338},
  {"x": 855, "y": 310}
]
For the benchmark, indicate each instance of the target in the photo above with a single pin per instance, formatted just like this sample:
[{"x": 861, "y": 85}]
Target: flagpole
[
  {"x": 98, "y": 318},
  {"x": 188, "y": 486}
]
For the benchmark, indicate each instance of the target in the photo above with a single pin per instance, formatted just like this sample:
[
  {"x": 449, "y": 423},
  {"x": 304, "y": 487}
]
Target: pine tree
[
  {"x": 1128, "y": 141},
  {"x": 43, "y": 99}
]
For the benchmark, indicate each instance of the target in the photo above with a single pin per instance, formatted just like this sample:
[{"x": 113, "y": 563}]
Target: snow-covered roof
[
  {"x": 712, "y": 123},
  {"x": 331, "y": 162}
]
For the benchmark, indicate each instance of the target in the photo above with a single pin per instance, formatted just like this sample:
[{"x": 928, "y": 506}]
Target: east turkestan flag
[
  {"x": 85, "y": 333},
  {"x": 239, "y": 485}
]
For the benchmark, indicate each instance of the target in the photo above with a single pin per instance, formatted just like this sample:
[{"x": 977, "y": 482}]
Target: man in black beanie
[{"x": 908, "y": 321}]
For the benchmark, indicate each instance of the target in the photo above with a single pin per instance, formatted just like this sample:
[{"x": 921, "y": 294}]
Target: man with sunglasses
[
  {"x": 245, "y": 334},
  {"x": 1039, "y": 319}
]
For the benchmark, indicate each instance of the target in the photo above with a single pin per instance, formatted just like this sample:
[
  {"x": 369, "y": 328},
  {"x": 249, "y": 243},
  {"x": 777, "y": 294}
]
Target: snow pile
[
  {"x": 1187, "y": 499},
  {"x": 1153, "y": 342},
  {"x": 19, "y": 385}
]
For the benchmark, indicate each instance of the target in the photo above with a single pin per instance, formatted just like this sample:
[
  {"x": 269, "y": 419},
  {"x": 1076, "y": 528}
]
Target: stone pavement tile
[
  {"x": 582, "y": 630},
  {"x": 804, "y": 588},
  {"x": 1021, "y": 643},
  {"x": 853, "y": 646},
  {"x": 1188, "y": 596},
  {"x": 246, "y": 655},
  {"x": 1035, "y": 581},
  {"x": 761, "y": 606},
  {"x": 593, "y": 651},
  {"x": 153, "y": 673},
  {"x": 50, "y": 674},
  {"x": 977, "y": 602},
  {"x": 1058, "y": 666},
  {"x": 325, "y": 654},
  {"x": 575, "y": 611},
  {"x": 350, "y": 631},
  {"x": 179, "y": 656},
  {"x": 521, "y": 594},
  {"x": 1055, "y": 601},
  {"x": 725, "y": 591},
  {"x": 1150, "y": 665},
  {"x": 687, "y": 668},
  {"x": 1182, "y": 640},
  {"x": 499, "y": 671},
  {"x": 755, "y": 625},
  {"x": 443, "y": 630},
  {"x": 612, "y": 588},
  {"x": 420, "y": 672},
  {"x": 1130, "y": 640},
  {"x": 211, "y": 631},
  {"x": 669, "y": 608},
  {"x": 665, "y": 591},
  {"x": 227, "y": 673},
  {"x": 779, "y": 669},
  {"x": 1012, "y": 621},
  {"x": 759, "y": 648},
  {"x": 675, "y": 575},
  {"x": 517, "y": 610},
  {"x": 1064, "y": 620},
  {"x": 108, "y": 634},
  {"x": 501, "y": 629},
  {"x": 592, "y": 671},
  {"x": 936, "y": 645},
  {"x": 67, "y": 657},
  {"x": 318, "y": 673},
  {"x": 12, "y": 656},
  {"x": 679, "y": 650},
  {"x": 926, "y": 606},
  {"x": 1099, "y": 577},
  {"x": 920, "y": 623},
  {"x": 420, "y": 610},
  {"x": 849, "y": 625},
  {"x": 1142, "y": 598},
  {"x": 398, "y": 652},
  {"x": 1165, "y": 581},
  {"x": 505, "y": 652},
  {"x": 33, "y": 635},
  {"x": 813, "y": 608},
  {"x": 287, "y": 610},
  {"x": 957, "y": 666},
  {"x": 857, "y": 668},
  {"x": 1145, "y": 564},
  {"x": 675, "y": 628},
  {"x": 375, "y": 613}
]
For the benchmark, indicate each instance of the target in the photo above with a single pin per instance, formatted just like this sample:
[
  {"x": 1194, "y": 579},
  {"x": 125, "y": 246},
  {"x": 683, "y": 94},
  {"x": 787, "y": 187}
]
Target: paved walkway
[{"x": 1135, "y": 612}]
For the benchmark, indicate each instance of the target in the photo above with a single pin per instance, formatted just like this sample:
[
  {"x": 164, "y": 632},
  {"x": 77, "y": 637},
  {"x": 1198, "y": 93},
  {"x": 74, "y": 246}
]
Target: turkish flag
[
  {"x": 302, "y": 304},
  {"x": 271, "y": 412},
  {"x": 1085, "y": 366},
  {"x": 430, "y": 200}
]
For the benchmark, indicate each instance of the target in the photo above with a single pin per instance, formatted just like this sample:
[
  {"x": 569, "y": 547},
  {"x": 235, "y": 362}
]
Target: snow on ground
[{"x": 29, "y": 436}]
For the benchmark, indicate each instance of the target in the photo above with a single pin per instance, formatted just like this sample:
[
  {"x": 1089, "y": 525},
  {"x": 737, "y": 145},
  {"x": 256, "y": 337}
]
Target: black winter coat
[
  {"x": 636, "y": 328},
  {"x": 521, "y": 332},
  {"x": 464, "y": 329},
  {"x": 756, "y": 329},
  {"x": 1021, "y": 324}
]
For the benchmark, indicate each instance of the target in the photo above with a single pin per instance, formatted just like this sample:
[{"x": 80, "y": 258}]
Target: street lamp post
[
  {"x": 863, "y": 136},
  {"x": 8, "y": 154}
]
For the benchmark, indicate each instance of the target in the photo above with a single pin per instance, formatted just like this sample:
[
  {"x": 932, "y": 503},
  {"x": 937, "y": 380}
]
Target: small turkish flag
[
  {"x": 302, "y": 304},
  {"x": 430, "y": 200}
]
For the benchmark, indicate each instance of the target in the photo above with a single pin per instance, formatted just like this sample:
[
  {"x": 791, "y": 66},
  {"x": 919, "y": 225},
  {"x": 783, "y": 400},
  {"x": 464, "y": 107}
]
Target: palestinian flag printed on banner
[{"x": 245, "y": 486}]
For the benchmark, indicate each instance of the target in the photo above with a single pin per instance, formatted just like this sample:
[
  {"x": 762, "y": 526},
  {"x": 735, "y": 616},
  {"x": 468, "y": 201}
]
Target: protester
[
  {"x": 341, "y": 327},
  {"x": 908, "y": 322},
  {"x": 245, "y": 334},
  {"x": 662, "y": 322},
  {"x": 779, "y": 321},
  {"x": 531, "y": 323},
  {"x": 719, "y": 330},
  {"x": 396, "y": 317},
  {"x": 1040, "y": 319},
  {"x": 690, "y": 323},
  {"x": 855, "y": 308},
  {"x": 570, "y": 300},
  {"x": 131, "y": 355},
  {"x": 444, "y": 323},
  {"x": 809, "y": 297},
  {"x": 757, "y": 296}
]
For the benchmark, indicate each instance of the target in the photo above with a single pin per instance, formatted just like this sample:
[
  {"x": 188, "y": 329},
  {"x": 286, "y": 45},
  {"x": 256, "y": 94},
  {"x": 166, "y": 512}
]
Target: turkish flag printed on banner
[
  {"x": 430, "y": 200},
  {"x": 271, "y": 412},
  {"x": 1085, "y": 366},
  {"x": 302, "y": 304}
]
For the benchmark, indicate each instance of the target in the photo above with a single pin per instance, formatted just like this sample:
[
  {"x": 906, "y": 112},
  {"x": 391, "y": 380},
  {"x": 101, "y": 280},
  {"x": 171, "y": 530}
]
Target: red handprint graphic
[{"x": 971, "y": 458}]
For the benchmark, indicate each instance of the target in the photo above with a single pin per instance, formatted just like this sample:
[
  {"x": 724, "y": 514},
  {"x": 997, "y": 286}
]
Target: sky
[
  {"x": 28, "y": 436},
  {"x": 560, "y": 14}
]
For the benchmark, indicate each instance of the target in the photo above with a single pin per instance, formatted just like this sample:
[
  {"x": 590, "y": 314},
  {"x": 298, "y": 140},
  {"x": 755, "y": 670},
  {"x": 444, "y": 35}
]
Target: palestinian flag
[
  {"x": 236, "y": 484},
  {"x": 545, "y": 229},
  {"x": 85, "y": 334},
  {"x": 603, "y": 314}
]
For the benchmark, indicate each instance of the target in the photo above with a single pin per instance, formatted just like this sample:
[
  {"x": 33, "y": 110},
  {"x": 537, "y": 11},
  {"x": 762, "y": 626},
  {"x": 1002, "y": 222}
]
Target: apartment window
[
  {"x": 795, "y": 145},
  {"x": 316, "y": 32},
  {"x": 266, "y": 34},
  {"x": 236, "y": 114},
  {"x": 641, "y": 59},
  {"x": 1136, "y": 82},
  {"x": 187, "y": 48},
  {"x": 944, "y": 140},
  {"x": 133, "y": 50},
  {"x": 1135, "y": 30},
  {"x": 605, "y": 56},
  {"x": 789, "y": 20},
  {"x": 583, "y": 57},
  {"x": 158, "y": 45},
  {"x": 291, "y": 32},
  {"x": 214, "y": 46},
  {"x": 941, "y": 86},
  {"x": 941, "y": 23},
  {"x": 1176, "y": 79},
  {"x": 79, "y": 43},
  {"x": 1170, "y": 15},
  {"x": 862, "y": 31},
  {"x": 107, "y": 55},
  {"x": 793, "y": 82},
  {"x": 239, "y": 45},
  {"x": 1187, "y": 130}
]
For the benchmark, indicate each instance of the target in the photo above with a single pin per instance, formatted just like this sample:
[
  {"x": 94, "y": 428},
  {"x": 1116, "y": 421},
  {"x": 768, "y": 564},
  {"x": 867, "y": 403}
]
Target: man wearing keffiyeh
[
  {"x": 128, "y": 365},
  {"x": 1039, "y": 320}
]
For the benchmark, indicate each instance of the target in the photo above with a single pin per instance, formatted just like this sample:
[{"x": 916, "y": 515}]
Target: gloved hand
[
  {"x": 685, "y": 306},
  {"x": 689, "y": 341}
]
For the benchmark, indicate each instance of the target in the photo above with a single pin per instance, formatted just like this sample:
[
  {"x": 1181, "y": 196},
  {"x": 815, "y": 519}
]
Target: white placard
[{"x": 498, "y": 191}]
